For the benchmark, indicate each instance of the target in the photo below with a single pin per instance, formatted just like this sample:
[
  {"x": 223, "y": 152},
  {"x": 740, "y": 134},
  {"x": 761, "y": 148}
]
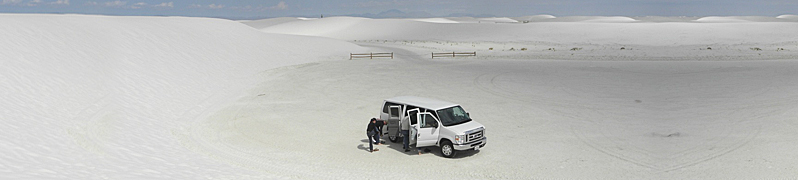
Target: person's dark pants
[
  {"x": 377, "y": 138},
  {"x": 406, "y": 138},
  {"x": 371, "y": 141}
]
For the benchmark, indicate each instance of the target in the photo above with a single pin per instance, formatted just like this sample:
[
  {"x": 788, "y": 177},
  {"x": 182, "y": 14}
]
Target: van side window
[
  {"x": 394, "y": 112},
  {"x": 429, "y": 121},
  {"x": 387, "y": 106},
  {"x": 413, "y": 118}
]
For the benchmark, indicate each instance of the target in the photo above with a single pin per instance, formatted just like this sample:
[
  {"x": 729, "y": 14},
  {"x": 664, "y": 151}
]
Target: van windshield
[{"x": 453, "y": 116}]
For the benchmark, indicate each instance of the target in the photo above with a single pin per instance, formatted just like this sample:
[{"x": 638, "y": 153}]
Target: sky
[{"x": 248, "y": 9}]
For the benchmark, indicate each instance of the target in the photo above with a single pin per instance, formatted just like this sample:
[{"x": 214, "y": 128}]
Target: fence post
[
  {"x": 350, "y": 56},
  {"x": 452, "y": 53}
]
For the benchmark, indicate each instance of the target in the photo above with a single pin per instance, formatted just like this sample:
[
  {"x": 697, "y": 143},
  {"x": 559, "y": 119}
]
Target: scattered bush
[
  {"x": 490, "y": 49},
  {"x": 756, "y": 49},
  {"x": 779, "y": 49},
  {"x": 552, "y": 49},
  {"x": 576, "y": 49},
  {"x": 512, "y": 49},
  {"x": 523, "y": 49},
  {"x": 623, "y": 48}
]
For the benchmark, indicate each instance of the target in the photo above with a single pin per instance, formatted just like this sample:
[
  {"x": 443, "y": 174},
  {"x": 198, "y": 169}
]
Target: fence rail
[
  {"x": 453, "y": 54},
  {"x": 370, "y": 55}
]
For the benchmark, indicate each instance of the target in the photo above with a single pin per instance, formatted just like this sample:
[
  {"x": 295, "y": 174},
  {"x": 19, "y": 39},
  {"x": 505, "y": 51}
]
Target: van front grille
[{"x": 475, "y": 136}]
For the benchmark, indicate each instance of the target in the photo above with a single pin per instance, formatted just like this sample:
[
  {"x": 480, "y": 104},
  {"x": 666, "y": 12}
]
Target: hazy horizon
[{"x": 252, "y": 9}]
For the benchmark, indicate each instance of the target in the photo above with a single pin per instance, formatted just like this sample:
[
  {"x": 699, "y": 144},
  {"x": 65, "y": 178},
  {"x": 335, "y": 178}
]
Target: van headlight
[{"x": 460, "y": 139}]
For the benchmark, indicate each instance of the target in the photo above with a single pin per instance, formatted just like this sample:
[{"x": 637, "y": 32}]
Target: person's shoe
[{"x": 407, "y": 150}]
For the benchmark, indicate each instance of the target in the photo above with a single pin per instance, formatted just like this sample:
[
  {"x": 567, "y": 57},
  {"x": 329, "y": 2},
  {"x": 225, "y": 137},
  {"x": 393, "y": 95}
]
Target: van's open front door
[
  {"x": 428, "y": 129},
  {"x": 413, "y": 125}
]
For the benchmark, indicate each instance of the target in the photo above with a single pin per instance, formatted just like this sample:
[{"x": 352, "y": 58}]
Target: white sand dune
[
  {"x": 468, "y": 20},
  {"x": 592, "y": 19},
  {"x": 784, "y": 18},
  {"x": 349, "y": 28},
  {"x": 90, "y": 97},
  {"x": 660, "y": 19},
  {"x": 534, "y": 18},
  {"x": 263, "y": 23},
  {"x": 788, "y": 16},
  {"x": 437, "y": 20},
  {"x": 103, "y": 97},
  {"x": 710, "y": 38},
  {"x": 498, "y": 20},
  {"x": 721, "y": 19}
]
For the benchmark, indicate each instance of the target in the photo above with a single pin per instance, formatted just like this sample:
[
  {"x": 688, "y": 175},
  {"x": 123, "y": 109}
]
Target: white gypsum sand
[{"x": 91, "y": 97}]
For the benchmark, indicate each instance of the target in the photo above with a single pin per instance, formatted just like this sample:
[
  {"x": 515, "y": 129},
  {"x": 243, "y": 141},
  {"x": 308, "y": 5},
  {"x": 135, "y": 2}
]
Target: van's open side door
[{"x": 394, "y": 116}]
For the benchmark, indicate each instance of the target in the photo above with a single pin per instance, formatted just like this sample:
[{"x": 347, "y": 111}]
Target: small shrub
[
  {"x": 523, "y": 49},
  {"x": 512, "y": 49},
  {"x": 623, "y": 48},
  {"x": 576, "y": 49},
  {"x": 756, "y": 49},
  {"x": 490, "y": 49},
  {"x": 552, "y": 49},
  {"x": 780, "y": 49}
]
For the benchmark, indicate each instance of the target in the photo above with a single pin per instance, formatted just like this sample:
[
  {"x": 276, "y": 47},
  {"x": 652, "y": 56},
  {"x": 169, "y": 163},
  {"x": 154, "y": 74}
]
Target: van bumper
[{"x": 471, "y": 145}]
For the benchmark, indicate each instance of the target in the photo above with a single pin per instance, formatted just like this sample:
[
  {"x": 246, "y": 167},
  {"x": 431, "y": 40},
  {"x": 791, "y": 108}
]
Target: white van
[{"x": 433, "y": 123}]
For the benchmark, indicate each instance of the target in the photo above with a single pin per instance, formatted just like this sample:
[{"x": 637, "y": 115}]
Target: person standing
[
  {"x": 371, "y": 131},
  {"x": 380, "y": 123},
  {"x": 406, "y": 133}
]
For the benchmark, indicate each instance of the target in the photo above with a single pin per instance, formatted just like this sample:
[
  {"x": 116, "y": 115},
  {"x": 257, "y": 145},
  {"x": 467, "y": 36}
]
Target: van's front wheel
[
  {"x": 447, "y": 149},
  {"x": 393, "y": 138}
]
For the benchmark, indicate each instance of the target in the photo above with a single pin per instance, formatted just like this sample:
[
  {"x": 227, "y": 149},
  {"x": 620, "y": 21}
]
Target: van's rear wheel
[
  {"x": 393, "y": 138},
  {"x": 447, "y": 149}
]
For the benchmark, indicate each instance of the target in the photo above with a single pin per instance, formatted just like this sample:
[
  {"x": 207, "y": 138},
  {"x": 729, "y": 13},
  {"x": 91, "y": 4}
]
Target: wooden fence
[
  {"x": 453, "y": 54},
  {"x": 371, "y": 55}
]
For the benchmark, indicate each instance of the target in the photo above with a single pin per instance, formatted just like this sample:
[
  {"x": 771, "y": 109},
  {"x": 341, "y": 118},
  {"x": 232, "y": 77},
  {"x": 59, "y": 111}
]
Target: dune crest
[{"x": 788, "y": 16}]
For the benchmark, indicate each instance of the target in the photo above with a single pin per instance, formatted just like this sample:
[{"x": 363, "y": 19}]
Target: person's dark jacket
[
  {"x": 372, "y": 126},
  {"x": 379, "y": 125}
]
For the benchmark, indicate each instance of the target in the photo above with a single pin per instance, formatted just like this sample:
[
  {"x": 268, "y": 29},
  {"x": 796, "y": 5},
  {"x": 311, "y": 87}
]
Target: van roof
[{"x": 432, "y": 104}]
